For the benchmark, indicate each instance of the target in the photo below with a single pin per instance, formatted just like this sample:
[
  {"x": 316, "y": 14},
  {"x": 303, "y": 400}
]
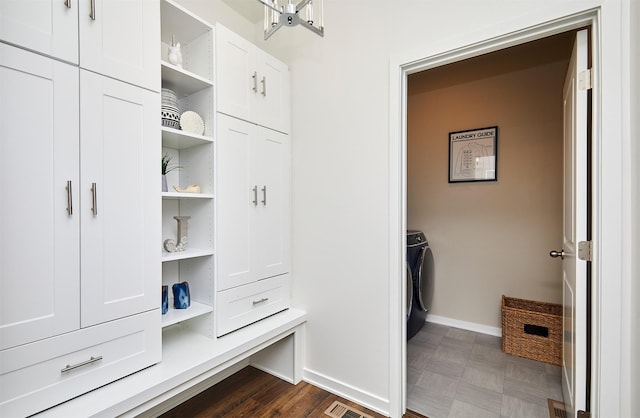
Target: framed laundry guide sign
[{"x": 473, "y": 155}]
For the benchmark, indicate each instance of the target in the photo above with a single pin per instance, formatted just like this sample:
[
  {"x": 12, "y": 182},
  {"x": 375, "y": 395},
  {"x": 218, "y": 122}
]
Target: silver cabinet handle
[
  {"x": 94, "y": 199},
  {"x": 255, "y": 195},
  {"x": 67, "y": 3},
  {"x": 264, "y": 86},
  {"x": 69, "y": 198},
  {"x": 264, "y": 195},
  {"x": 70, "y": 367},
  {"x": 257, "y": 302},
  {"x": 255, "y": 81},
  {"x": 92, "y": 9},
  {"x": 556, "y": 254}
]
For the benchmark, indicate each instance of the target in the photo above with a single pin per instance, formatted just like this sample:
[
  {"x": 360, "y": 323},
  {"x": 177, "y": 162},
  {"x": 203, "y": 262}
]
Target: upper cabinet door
[
  {"x": 39, "y": 245},
  {"x": 272, "y": 99},
  {"x": 236, "y": 74},
  {"x": 119, "y": 38},
  {"x": 46, "y": 26},
  {"x": 119, "y": 162}
]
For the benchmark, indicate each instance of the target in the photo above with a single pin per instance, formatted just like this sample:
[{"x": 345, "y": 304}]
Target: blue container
[
  {"x": 165, "y": 299},
  {"x": 181, "y": 296}
]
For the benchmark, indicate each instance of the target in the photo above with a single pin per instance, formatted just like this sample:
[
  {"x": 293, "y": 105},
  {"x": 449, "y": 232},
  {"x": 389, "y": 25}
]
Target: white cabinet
[
  {"x": 79, "y": 262},
  {"x": 114, "y": 38},
  {"x": 254, "y": 86},
  {"x": 194, "y": 153},
  {"x": 120, "y": 39},
  {"x": 39, "y": 249},
  {"x": 46, "y": 26},
  {"x": 253, "y": 203},
  {"x": 119, "y": 203}
]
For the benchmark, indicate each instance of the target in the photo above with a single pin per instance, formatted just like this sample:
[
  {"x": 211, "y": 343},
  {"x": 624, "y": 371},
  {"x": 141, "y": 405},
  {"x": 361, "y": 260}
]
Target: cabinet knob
[
  {"x": 67, "y": 3},
  {"x": 264, "y": 195},
  {"x": 255, "y": 195},
  {"x": 92, "y": 9},
  {"x": 69, "y": 198},
  {"x": 264, "y": 86}
]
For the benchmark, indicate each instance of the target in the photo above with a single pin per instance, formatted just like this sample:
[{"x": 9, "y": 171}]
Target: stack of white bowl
[{"x": 170, "y": 109}]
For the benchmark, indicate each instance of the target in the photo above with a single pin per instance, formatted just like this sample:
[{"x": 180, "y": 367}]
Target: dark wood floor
[{"x": 252, "y": 393}]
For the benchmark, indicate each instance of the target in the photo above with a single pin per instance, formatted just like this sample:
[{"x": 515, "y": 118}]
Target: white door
[
  {"x": 46, "y": 26},
  {"x": 237, "y": 202},
  {"x": 40, "y": 218},
  {"x": 271, "y": 243},
  {"x": 574, "y": 270},
  {"x": 235, "y": 64},
  {"x": 120, "y": 219},
  {"x": 120, "y": 39},
  {"x": 272, "y": 98}
]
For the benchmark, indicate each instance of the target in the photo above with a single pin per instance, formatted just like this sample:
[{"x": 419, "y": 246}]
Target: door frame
[{"x": 400, "y": 68}]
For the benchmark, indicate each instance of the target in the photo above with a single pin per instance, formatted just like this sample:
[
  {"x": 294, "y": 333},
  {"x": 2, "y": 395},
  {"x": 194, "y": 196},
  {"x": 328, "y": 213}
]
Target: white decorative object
[
  {"x": 192, "y": 188},
  {"x": 175, "y": 54},
  {"x": 192, "y": 122}
]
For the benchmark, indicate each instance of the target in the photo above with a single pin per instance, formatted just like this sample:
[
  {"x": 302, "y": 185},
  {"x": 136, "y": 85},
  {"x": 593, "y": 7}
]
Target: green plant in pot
[{"x": 167, "y": 167}]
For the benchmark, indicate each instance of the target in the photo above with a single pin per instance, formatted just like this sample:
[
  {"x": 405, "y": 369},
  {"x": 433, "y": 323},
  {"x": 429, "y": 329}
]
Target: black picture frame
[{"x": 473, "y": 155}]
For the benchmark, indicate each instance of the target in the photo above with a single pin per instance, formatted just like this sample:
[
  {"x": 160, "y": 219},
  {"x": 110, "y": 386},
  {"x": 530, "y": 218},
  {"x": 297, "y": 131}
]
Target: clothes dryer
[{"x": 419, "y": 281}]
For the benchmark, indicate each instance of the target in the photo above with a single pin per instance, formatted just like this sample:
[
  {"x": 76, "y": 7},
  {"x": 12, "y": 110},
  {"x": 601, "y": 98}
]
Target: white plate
[{"x": 192, "y": 122}]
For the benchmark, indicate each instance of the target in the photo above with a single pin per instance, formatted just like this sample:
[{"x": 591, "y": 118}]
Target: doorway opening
[
  {"x": 399, "y": 99},
  {"x": 489, "y": 237}
]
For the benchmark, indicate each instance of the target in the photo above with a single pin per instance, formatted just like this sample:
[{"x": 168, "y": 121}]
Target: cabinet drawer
[
  {"x": 246, "y": 304},
  {"x": 39, "y": 375}
]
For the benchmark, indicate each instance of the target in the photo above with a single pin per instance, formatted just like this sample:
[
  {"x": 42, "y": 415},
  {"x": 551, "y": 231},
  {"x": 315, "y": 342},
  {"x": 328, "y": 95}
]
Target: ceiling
[{"x": 249, "y": 9}]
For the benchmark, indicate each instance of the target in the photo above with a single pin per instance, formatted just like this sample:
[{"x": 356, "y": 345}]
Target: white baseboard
[
  {"x": 349, "y": 392},
  {"x": 469, "y": 326}
]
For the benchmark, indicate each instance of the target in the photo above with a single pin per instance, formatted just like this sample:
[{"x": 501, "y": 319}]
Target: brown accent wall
[{"x": 491, "y": 238}]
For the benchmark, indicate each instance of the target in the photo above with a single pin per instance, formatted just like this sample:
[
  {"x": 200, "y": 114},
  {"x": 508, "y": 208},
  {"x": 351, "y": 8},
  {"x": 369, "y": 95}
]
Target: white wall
[
  {"x": 341, "y": 167},
  {"x": 491, "y": 238},
  {"x": 634, "y": 251},
  {"x": 340, "y": 131}
]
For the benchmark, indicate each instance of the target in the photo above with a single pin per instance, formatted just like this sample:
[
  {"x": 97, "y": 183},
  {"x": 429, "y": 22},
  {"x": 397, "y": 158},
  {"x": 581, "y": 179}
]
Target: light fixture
[{"x": 276, "y": 16}]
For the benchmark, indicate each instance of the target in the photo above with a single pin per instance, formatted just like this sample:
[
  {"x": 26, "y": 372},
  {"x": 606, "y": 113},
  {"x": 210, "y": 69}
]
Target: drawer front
[
  {"x": 246, "y": 304},
  {"x": 39, "y": 375}
]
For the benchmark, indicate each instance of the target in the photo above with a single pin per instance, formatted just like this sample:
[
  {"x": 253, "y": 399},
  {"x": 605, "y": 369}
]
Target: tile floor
[{"x": 457, "y": 373}]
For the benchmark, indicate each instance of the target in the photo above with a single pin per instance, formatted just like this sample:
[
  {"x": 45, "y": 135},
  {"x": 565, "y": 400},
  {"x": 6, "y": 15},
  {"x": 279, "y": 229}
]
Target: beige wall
[{"x": 490, "y": 238}]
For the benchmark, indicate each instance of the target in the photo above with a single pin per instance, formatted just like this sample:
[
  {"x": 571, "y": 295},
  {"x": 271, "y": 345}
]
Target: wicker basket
[{"x": 532, "y": 329}]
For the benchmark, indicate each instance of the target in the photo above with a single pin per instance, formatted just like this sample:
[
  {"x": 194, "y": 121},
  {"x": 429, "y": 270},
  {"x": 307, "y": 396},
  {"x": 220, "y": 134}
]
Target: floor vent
[
  {"x": 340, "y": 410},
  {"x": 556, "y": 409}
]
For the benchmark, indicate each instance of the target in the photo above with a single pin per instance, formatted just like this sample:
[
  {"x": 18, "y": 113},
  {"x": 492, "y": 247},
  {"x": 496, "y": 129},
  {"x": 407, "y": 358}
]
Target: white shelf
[
  {"x": 173, "y": 316},
  {"x": 177, "y": 139},
  {"x": 183, "y": 82},
  {"x": 176, "y": 20},
  {"x": 184, "y": 255},
  {"x": 176, "y": 195}
]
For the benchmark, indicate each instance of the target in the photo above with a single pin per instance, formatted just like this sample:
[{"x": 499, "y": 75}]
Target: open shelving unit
[{"x": 193, "y": 153}]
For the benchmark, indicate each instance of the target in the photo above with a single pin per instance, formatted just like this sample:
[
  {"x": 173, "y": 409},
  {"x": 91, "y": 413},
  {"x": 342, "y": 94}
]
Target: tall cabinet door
[
  {"x": 273, "y": 228},
  {"x": 120, "y": 156},
  {"x": 46, "y": 26},
  {"x": 39, "y": 231},
  {"x": 120, "y": 39},
  {"x": 273, "y": 99},
  {"x": 235, "y": 64},
  {"x": 237, "y": 198}
]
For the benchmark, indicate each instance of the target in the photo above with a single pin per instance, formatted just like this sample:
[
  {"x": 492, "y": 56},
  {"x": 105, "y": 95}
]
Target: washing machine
[{"x": 419, "y": 281}]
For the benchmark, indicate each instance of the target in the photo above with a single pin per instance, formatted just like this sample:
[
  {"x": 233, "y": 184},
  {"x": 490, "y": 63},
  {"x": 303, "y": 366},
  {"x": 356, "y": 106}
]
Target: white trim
[
  {"x": 400, "y": 67},
  {"x": 469, "y": 326},
  {"x": 346, "y": 391}
]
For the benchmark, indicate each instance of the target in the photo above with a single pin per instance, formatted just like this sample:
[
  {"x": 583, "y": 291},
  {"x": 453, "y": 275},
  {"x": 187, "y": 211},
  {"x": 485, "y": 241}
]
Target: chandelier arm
[
  {"x": 301, "y": 5},
  {"x": 316, "y": 30},
  {"x": 265, "y": 3},
  {"x": 271, "y": 31}
]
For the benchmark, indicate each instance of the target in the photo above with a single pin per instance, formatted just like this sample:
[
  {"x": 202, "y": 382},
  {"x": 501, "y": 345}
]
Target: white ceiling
[{"x": 249, "y": 9}]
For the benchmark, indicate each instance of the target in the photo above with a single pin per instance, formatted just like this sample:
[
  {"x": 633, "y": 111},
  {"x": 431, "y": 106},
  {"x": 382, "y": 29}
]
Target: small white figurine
[{"x": 175, "y": 55}]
